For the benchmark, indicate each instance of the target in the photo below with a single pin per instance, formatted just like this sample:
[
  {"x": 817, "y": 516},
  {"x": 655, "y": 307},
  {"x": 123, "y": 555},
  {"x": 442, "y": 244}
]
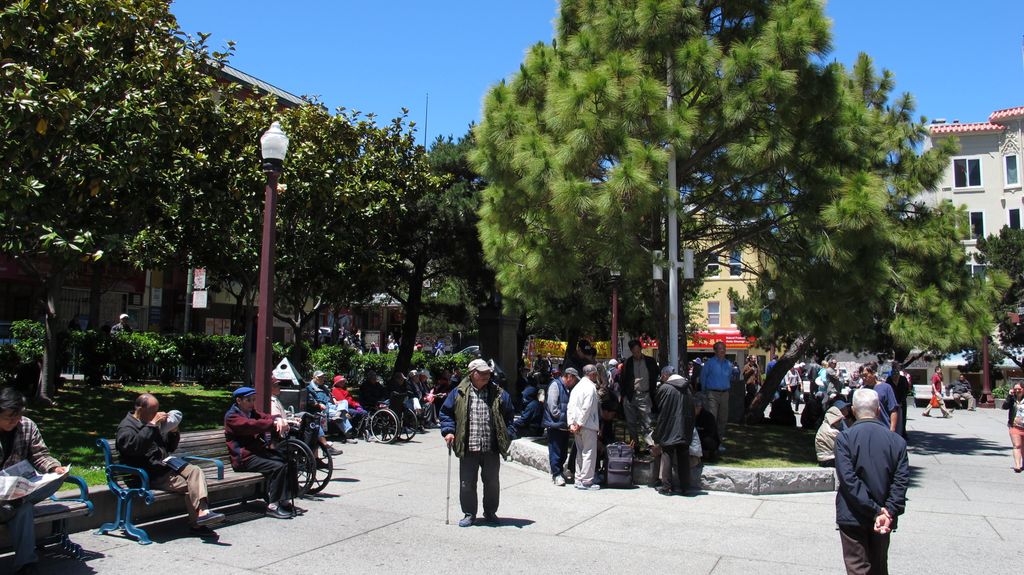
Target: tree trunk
[
  {"x": 47, "y": 387},
  {"x": 95, "y": 293},
  {"x": 411, "y": 322},
  {"x": 774, "y": 377}
]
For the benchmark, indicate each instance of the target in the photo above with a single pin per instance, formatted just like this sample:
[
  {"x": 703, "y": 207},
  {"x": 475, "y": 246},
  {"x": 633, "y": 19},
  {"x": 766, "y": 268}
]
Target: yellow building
[{"x": 718, "y": 314}]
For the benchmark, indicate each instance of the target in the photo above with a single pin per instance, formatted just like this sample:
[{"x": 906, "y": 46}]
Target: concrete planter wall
[{"x": 752, "y": 481}]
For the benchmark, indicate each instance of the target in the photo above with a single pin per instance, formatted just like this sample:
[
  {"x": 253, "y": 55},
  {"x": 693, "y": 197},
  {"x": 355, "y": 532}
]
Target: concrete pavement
[{"x": 385, "y": 510}]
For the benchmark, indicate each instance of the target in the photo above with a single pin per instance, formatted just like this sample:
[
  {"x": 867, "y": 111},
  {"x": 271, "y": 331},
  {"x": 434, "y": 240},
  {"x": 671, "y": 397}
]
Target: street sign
[
  {"x": 199, "y": 299},
  {"x": 199, "y": 278}
]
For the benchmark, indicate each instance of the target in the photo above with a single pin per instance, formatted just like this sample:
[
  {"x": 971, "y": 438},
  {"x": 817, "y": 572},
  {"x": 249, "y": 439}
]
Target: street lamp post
[
  {"x": 274, "y": 146},
  {"x": 615, "y": 312}
]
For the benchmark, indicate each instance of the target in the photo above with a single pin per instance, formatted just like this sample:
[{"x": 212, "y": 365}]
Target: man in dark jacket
[
  {"x": 528, "y": 424},
  {"x": 144, "y": 440},
  {"x": 476, "y": 422},
  {"x": 556, "y": 404},
  {"x": 674, "y": 431},
  {"x": 871, "y": 464},
  {"x": 638, "y": 382},
  {"x": 249, "y": 434},
  {"x": 900, "y": 382}
]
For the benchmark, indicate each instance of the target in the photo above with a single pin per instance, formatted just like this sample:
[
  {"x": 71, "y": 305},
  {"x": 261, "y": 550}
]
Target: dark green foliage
[{"x": 1004, "y": 254}]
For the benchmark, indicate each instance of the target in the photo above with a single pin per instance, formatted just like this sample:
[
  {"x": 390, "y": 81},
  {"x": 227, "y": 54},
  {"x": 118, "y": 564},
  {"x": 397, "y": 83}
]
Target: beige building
[
  {"x": 985, "y": 176},
  {"x": 717, "y": 312}
]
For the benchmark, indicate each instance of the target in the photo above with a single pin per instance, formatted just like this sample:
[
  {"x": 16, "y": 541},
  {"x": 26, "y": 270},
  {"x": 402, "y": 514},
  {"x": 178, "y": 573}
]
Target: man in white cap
[
  {"x": 476, "y": 422},
  {"x": 121, "y": 326}
]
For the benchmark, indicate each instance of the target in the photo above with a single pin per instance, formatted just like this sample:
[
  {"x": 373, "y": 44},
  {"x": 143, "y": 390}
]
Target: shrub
[
  {"x": 332, "y": 359},
  {"x": 1001, "y": 391},
  {"x": 31, "y": 336}
]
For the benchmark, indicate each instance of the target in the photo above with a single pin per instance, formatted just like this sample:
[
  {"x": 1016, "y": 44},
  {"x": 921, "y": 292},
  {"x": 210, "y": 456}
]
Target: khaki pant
[
  {"x": 718, "y": 405},
  {"x": 586, "y": 456},
  {"x": 192, "y": 483}
]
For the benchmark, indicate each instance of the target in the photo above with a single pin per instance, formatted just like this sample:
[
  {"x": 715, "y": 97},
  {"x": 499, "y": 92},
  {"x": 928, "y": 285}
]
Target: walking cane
[{"x": 448, "y": 498}]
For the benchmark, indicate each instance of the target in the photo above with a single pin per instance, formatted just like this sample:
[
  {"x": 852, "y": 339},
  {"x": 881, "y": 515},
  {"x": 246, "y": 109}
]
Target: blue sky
[{"x": 959, "y": 60}]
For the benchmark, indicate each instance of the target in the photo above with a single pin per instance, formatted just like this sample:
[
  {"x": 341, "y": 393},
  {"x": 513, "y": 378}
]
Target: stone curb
[{"x": 752, "y": 481}]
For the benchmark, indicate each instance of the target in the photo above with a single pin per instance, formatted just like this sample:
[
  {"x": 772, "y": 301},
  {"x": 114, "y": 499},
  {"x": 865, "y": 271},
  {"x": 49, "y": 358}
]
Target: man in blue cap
[{"x": 249, "y": 434}]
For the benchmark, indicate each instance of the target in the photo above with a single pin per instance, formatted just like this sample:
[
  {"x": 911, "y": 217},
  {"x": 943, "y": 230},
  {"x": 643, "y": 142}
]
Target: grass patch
[
  {"x": 85, "y": 413},
  {"x": 768, "y": 446}
]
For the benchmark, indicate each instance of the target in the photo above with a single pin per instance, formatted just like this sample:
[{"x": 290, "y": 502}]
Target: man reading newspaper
[{"x": 20, "y": 440}]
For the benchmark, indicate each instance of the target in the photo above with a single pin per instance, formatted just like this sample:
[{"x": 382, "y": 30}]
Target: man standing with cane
[{"x": 476, "y": 423}]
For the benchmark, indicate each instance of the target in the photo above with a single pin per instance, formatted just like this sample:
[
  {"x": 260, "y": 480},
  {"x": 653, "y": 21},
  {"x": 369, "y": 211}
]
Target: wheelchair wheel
[
  {"x": 384, "y": 426},
  {"x": 305, "y": 463},
  {"x": 324, "y": 469},
  {"x": 409, "y": 424}
]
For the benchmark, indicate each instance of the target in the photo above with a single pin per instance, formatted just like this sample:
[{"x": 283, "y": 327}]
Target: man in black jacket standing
[
  {"x": 142, "y": 443},
  {"x": 871, "y": 464},
  {"x": 638, "y": 382},
  {"x": 673, "y": 433},
  {"x": 900, "y": 382}
]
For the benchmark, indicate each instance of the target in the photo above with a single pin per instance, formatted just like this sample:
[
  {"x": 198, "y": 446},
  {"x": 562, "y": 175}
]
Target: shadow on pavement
[
  {"x": 512, "y": 522},
  {"x": 937, "y": 443}
]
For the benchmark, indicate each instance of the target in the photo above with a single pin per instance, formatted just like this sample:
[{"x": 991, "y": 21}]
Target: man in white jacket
[{"x": 584, "y": 425}]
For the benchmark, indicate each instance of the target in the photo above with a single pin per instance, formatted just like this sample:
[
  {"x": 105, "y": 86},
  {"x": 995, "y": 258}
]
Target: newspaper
[{"x": 22, "y": 479}]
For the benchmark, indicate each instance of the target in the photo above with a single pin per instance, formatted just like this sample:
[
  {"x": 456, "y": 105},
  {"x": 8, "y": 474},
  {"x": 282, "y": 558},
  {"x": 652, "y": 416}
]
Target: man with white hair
[
  {"x": 871, "y": 464},
  {"x": 584, "y": 425}
]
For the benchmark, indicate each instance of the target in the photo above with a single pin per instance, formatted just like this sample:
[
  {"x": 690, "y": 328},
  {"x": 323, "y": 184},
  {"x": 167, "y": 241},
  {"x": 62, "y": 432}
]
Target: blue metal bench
[
  {"x": 206, "y": 449},
  {"x": 58, "y": 510}
]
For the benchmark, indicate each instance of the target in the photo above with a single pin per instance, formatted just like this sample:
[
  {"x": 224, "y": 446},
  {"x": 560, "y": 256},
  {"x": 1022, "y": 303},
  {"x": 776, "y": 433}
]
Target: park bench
[
  {"x": 206, "y": 449},
  {"x": 58, "y": 511},
  {"x": 923, "y": 395}
]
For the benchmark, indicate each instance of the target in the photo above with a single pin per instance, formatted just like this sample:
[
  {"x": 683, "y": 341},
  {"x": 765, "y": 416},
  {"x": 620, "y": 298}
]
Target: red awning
[{"x": 732, "y": 338}]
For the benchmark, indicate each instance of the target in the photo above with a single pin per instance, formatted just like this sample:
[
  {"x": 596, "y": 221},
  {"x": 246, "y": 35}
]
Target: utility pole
[{"x": 673, "y": 240}]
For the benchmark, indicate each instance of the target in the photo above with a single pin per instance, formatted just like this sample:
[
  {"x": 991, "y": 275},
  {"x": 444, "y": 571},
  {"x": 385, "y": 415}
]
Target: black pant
[
  {"x": 485, "y": 465},
  {"x": 864, "y": 551},
  {"x": 275, "y": 469},
  {"x": 680, "y": 457}
]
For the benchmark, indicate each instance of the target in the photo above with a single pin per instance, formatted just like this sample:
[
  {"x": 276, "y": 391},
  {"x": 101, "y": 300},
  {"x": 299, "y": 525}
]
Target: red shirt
[
  {"x": 343, "y": 395},
  {"x": 937, "y": 383}
]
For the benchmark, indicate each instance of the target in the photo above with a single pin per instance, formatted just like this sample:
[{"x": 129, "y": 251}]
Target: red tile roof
[
  {"x": 973, "y": 128},
  {"x": 1007, "y": 114}
]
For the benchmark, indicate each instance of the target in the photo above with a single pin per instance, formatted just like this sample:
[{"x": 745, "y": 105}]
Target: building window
[
  {"x": 1012, "y": 170},
  {"x": 976, "y": 270},
  {"x": 967, "y": 173},
  {"x": 713, "y": 270},
  {"x": 714, "y": 313},
  {"x": 1013, "y": 218},
  {"x": 734, "y": 313},
  {"x": 735, "y": 264},
  {"x": 977, "y": 225}
]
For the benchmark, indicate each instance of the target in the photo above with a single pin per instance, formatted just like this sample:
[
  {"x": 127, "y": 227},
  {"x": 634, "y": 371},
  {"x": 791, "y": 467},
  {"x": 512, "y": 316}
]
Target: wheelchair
[
  {"x": 314, "y": 465},
  {"x": 383, "y": 425}
]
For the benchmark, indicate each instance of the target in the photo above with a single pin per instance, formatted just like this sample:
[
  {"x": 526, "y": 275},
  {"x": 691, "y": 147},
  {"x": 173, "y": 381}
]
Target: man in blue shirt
[
  {"x": 888, "y": 405},
  {"x": 715, "y": 380}
]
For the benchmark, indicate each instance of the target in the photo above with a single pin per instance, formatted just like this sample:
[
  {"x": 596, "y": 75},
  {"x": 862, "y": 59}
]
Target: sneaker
[
  {"x": 278, "y": 513},
  {"x": 467, "y": 520},
  {"x": 926, "y": 415},
  {"x": 334, "y": 450},
  {"x": 558, "y": 480},
  {"x": 210, "y": 518}
]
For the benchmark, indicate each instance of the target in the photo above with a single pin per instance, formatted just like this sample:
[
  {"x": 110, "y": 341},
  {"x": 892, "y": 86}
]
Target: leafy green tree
[
  {"x": 96, "y": 101},
  {"x": 1005, "y": 253},
  {"x": 573, "y": 146},
  {"x": 867, "y": 266}
]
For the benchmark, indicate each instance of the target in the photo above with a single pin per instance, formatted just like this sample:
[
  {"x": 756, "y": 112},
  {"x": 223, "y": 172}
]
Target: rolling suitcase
[{"x": 620, "y": 466}]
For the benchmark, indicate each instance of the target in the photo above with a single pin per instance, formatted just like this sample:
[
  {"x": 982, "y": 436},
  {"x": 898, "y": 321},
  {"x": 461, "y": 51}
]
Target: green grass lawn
[
  {"x": 767, "y": 446},
  {"x": 84, "y": 413}
]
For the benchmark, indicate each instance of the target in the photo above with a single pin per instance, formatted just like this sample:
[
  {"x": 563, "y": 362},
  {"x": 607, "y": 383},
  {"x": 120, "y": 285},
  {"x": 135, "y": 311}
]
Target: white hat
[
  {"x": 613, "y": 362},
  {"x": 123, "y": 316},
  {"x": 479, "y": 365}
]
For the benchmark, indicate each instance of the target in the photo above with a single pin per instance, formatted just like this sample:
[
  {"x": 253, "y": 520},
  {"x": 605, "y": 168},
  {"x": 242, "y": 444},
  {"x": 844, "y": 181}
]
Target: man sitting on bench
[
  {"x": 20, "y": 440},
  {"x": 248, "y": 434},
  {"x": 144, "y": 440}
]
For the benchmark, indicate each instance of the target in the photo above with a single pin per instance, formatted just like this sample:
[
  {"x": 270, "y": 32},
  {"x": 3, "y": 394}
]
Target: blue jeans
[
  {"x": 21, "y": 529},
  {"x": 558, "y": 444}
]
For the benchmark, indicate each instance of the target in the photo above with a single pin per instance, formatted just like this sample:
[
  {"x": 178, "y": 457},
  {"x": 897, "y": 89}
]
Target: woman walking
[
  {"x": 936, "y": 400},
  {"x": 1014, "y": 403}
]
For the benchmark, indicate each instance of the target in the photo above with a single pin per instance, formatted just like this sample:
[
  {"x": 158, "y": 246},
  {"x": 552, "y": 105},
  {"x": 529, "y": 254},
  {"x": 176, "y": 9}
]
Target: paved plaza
[{"x": 384, "y": 512}]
